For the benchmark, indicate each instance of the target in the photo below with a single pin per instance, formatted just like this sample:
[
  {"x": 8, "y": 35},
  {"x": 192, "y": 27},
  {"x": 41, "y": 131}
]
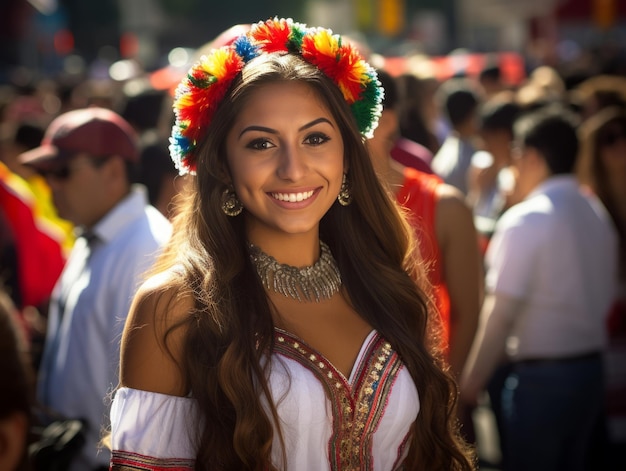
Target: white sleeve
[{"x": 152, "y": 428}]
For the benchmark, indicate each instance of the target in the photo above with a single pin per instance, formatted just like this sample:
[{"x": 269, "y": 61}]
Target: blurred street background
[
  {"x": 57, "y": 55},
  {"x": 119, "y": 39}
]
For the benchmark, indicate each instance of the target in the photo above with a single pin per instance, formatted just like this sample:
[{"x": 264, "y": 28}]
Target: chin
[{"x": 298, "y": 230}]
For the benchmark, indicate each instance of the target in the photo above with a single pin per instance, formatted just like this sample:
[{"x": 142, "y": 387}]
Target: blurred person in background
[
  {"x": 142, "y": 107},
  {"x": 144, "y": 110},
  {"x": 551, "y": 271},
  {"x": 444, "y": 228},
  {"x": 160, "y": 177},
  {"x": 460, "y": 103},
  {"x": 41, "y": 240},
  {"x": 413, "y": 145},
  {"x": 417, "y": 110},
  {"x": 447, "y": 239},
  {"x": 490, "y": 178},
  {"x": 17, "y": 137},
  {"x": 490, "y": 79},
  {"x": 31, "y": 254},
  {"x": 599, "y": 92},
  {"x": 491, "y": 181},
  {"x": 88, "y": 157},
  {"x": 544, "y": 86},
  {"x": 602, "y": 169},
  {"x": 17, "y": 391},
  {"x": 98, "y": 92}
]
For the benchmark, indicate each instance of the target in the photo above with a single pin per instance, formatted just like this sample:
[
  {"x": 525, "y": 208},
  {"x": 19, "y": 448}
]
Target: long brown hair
[{"x": 231, "y": 329}]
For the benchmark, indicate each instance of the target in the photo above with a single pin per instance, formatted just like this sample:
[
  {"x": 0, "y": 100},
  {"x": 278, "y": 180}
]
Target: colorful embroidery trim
[
  {"x": 200, "y": 93},
  {"x": 357, "y": 408},
  {"x": 127, "y": 461}
]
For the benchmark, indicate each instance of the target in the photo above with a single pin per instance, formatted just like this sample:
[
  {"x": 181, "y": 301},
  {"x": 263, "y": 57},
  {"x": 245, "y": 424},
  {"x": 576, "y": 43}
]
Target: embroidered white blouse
[{"x": 328, "y": 421}]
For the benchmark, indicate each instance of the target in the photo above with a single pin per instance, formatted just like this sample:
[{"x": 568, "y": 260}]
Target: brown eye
[
  {"x": 260, "y": 144},
  {"x": 317, "y": 139}
]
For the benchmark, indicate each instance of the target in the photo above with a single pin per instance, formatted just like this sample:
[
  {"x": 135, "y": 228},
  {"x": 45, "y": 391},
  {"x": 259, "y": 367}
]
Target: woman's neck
[{"x": 298, "y": 250}]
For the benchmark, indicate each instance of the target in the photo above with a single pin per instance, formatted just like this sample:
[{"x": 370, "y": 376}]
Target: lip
[{"x": 294, "y": 199}]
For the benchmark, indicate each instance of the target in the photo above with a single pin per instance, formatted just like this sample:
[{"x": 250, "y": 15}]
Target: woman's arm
[
  {"x": 150, "y": 360},
  {"x": 462, "y": 271}
]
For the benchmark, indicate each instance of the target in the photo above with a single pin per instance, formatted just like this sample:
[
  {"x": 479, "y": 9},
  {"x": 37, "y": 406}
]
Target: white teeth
[{"x": 292, "y": 197}]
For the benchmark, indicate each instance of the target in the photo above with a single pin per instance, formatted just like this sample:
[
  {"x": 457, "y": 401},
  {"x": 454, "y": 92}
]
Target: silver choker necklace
[{"x": 319, "y": 281}]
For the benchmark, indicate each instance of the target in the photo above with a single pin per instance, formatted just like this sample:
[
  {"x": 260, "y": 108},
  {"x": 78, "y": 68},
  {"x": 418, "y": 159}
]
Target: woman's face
[{"x": 286, "y": 160}]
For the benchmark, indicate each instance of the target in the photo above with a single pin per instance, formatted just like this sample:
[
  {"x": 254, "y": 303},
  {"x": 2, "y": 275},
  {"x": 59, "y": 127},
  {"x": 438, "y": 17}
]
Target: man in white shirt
[
  {"x": 551, "y": 268},
  {"x": 88, "y": 158},
  {"x": 453, "y": 159}
]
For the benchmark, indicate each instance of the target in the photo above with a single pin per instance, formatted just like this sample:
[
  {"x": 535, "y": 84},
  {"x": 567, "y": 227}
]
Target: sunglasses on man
[{"x": 65, "y": 171}]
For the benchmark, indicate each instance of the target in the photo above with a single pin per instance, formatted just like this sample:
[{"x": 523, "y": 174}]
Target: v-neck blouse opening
[{"x": 357, "y": 362}]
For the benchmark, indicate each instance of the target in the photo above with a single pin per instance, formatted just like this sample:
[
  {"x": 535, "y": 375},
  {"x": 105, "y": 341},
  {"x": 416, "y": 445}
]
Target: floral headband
[{"x": 207, "y": 82}]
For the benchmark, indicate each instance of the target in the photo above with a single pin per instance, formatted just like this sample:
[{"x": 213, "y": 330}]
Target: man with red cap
[{"x": 88, "y": 158}]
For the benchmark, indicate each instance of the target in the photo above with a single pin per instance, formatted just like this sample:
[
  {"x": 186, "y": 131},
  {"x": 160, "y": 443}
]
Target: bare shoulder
[
  {"x": 454, "y": 219},
  {"x": 452, "y": 201},
  {"x": 158, "y": 298},
  {"x": 153, "y": 339}
]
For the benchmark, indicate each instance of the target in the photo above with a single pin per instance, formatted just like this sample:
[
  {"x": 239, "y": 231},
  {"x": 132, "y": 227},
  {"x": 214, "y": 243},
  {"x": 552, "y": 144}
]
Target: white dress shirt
[
  {"x": 452, "y": 161},
  {"x": 556, "y": 253},
  {"x": 89, "y": 306}
]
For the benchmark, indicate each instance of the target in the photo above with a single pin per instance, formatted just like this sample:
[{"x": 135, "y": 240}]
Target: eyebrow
[{"x": 274, "y": 131}]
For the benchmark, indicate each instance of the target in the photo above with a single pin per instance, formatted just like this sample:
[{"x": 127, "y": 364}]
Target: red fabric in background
[
  {"x": 419, "y": 195},
  {"x": 39, "y": 252}
]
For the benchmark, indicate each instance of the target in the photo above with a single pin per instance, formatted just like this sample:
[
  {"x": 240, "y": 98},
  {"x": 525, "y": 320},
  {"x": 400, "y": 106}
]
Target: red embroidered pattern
[{"x": 126, "y": 461}]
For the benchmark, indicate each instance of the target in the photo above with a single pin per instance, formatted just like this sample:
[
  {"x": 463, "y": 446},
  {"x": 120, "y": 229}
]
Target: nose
[{"x": 292, "y": 164}]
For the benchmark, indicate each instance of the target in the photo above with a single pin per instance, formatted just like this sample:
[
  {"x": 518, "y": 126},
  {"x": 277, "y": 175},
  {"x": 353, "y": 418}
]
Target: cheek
[
  {"x": 237, "y": 169},
  {"x": 247, "y": 179},
  {"x": 342, "y": 166},
  {"x": 332, "y": 159}
]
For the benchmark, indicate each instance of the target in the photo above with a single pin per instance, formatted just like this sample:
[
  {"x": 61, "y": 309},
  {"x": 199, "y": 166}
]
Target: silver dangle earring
[
  {"x": 344, "y": 197},
  {"x": 230, "y": 203}
]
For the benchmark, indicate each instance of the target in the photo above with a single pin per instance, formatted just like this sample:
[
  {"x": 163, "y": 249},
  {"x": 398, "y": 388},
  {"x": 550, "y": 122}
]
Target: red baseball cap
[{"x": 98, "y": 132}]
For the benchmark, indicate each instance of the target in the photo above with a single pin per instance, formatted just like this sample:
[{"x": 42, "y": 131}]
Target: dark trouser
[
  {"x": 494, "y": 388},
  {"x": 549, "y": 410}
]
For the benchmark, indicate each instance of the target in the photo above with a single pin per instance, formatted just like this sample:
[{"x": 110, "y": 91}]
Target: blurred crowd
[{"x": 461, "y": 136}]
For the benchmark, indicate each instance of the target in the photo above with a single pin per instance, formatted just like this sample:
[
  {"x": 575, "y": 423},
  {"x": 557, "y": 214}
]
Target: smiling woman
[
  {"x": 284, "y": 318},
  {"x": 288, "y": 172}
]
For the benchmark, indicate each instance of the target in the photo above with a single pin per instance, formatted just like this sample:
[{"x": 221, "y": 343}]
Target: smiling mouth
[{"x": 293, "y": 197}]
